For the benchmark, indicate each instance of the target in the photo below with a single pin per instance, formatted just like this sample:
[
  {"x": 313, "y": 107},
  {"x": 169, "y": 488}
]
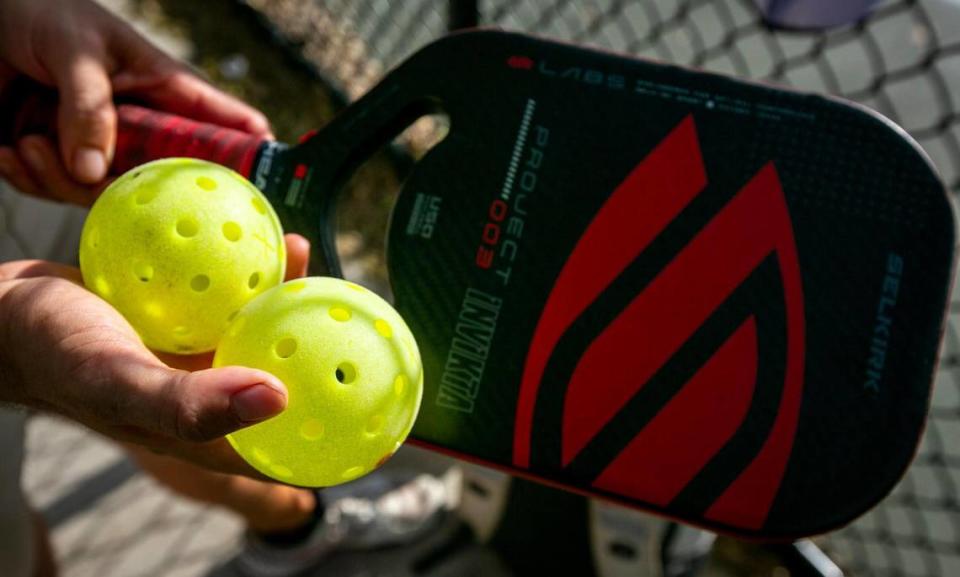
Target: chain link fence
[{"x": 902, "y": 60}]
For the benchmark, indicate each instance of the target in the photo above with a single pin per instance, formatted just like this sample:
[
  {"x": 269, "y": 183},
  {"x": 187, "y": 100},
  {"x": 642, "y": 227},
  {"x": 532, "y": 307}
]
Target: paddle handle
[{"x": 143, "y": 134}]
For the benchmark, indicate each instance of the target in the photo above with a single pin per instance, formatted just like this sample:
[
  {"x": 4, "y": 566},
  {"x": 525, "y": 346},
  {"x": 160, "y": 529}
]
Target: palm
[{"x": 79, "y": 357}]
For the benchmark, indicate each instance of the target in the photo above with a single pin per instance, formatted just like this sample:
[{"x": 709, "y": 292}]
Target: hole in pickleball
[
  {"x": 136, "y": 174},
  {"x": 232, "y": 231},
  {"x": 383, "y": 327},
  {"x": 206, "y": 183},
  {"x": 285, "y": 348},
  {"x": 232, "y": 316},
  {"x": 181, "y": 331},
  {"x": 200, "y": 283},
  {"x": 375, "y": 424},
  {"x": 143, "y": 271},
  {"x": 346, "y": 373},
  {"x": 101, "y": 285},
  {"x": 184, "y": 349},
  {"x": 187, "y": 227},
  {"x": 259, "y": 205},
  {"x": 254, "y": 280},
  {"x": 260, "y": 456},
  {"x": 400, "y": 385},
  {"x": 340, "y": 314},
  {"x": 311, "y": 430},
  {"x": 294, "y": 287},
  {"x": 281, "y": 471},
  {"x": 146, "y": 195}
]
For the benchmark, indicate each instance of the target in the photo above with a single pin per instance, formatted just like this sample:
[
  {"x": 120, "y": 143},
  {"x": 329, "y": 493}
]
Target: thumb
[
  {"x": 198, "y": 406},
  {"x": 87, "y": 120}
]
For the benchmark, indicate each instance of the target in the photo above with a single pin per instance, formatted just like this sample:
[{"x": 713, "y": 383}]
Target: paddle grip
[{"x": 143, "y": 134}]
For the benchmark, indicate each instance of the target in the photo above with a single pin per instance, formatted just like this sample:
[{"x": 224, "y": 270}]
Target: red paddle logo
[
  {"x": 520, "y": 62},
  {"x": 696, "y": 427}
]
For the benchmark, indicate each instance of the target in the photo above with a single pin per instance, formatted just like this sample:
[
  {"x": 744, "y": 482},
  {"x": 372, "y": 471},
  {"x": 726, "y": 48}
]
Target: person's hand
[
  {"x": 65, "y": 350},
  {"x": 89, "y": 55}
]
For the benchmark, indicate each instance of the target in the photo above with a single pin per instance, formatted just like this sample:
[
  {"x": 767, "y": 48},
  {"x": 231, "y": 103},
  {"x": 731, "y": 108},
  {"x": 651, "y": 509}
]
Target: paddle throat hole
[{"x": 367, "y": 197}]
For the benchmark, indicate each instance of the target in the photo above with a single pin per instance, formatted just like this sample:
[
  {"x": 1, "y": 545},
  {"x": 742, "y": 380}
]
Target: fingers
[
  {"x": 186, "y": 95},
  {"x": 20, "y": 269},
  {"x": 194, "y": 407},
  {"x": 98, "y": 371},
  {"x": 87, "y": 120},
  {"x": 13, "y": 170},
  {"x": 298, "y": 256},
  {"x": 46, "y": 175},
  {"x": 168, "y": 464},
  {"x": 153, "y": 76}
]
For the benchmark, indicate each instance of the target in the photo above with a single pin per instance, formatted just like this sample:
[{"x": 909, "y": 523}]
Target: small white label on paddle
[
  {"x": 423, "y": 217},
  {"x": 265, "y": 164}
]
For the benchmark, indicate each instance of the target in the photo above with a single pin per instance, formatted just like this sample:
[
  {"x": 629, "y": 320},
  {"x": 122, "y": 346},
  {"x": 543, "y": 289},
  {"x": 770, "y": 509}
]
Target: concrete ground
[{"x": 109, "y": 520}]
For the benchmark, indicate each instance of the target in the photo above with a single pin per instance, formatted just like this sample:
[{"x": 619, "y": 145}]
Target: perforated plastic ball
[
  {"x": 353, "y": 376},
  {"x": 178, "y": 246}
]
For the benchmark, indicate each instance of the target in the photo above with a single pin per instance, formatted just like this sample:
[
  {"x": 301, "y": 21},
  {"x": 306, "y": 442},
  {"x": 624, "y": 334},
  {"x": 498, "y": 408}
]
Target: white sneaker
[{"x": 380, "y": 510}]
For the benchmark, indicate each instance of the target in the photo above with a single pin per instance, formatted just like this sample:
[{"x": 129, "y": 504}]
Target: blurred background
[{"x": 302, "y": 60}]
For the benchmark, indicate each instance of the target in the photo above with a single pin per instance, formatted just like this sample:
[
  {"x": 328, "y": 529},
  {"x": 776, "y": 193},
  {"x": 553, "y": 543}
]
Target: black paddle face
[{"x": 716, "y": 300}]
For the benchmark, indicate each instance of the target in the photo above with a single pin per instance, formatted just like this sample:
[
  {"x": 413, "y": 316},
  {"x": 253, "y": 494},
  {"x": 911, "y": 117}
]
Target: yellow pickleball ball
[
  {"x": 178, "y": 246},
  {"x": 353, "y": 376}
]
